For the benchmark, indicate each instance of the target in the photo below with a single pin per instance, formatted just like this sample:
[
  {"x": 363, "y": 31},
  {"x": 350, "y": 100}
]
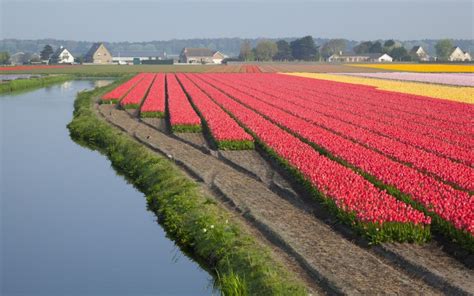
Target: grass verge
[
  {"x": 193, "y": 220},
  {"x": 21, "y": 84}
]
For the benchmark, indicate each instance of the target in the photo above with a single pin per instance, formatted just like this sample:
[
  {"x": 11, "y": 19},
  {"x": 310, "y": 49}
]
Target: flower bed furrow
[
  {"x": 225, "y": 132},
  {"x": 115, "y": 95},
  {"x": 456, "y": 208},
  {"x": 358, "y": 202},
  {"x": 134, "y": 98},
  {"x": 182, "y": 116},
  {"x": 155, "y": 103},
  {"x": 452, "y": 172}
]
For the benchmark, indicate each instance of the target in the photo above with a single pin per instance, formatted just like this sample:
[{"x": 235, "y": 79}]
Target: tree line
[{"x": 305, "y": 49}]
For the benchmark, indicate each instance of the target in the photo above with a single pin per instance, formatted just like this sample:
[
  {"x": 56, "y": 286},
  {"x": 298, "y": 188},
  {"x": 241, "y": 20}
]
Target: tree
[
  {"x": 363, "y": 47},
  {"x": 376, "y": 47},
  {"x": 284, "y": 51},
  {"x": 4, "y": 58},
  {"x": 400, "y": 54},
  {"x": 443, "y": 49},
  {"x": 389, "y": 43},
  {"x": 304, "y": 49},
  {"x": 265, "y": 50},
  {"x": 246, "y": 53},
  {"x": 46, "y": 53},
  {"x": 333, "y": 46}
]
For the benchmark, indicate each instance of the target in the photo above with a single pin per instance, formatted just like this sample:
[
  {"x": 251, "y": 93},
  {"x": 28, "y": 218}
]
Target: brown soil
[{"x": 299, "y": 233}]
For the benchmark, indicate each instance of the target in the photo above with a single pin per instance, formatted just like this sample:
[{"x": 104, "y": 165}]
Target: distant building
[
  {"x": 200, "y": 56},
  {"x": 98, "y": 54},
  {"x": 419, "y": 54},
  {"x": 18, "y": 58},
  {"x": 458, "y": 55},
  {"x": 357, "y": 58},
  {"x": 61, "y": 56}
]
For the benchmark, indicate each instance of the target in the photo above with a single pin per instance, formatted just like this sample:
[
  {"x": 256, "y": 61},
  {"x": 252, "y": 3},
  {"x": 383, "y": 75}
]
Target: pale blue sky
[{"x": 161, "y": 20}]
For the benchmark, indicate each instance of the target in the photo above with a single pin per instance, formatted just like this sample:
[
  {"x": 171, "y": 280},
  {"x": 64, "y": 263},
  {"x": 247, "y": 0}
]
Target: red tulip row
[
  {"x": 452, "y": 172},
  {"x": 183, "y": 118},
  {"x": 373, "y": 112},
  {"x": 438, "y": 111},
  {"x": 453, "y": 209},
  {"x": 373, "y": 211},
  {"x": 226, "y": 133},
  {"x": 155, "y": 102},
  {"x": 427, "y": 143},
  {"x": 134, "y": 98},
  {"x": 120, "y": 91}
]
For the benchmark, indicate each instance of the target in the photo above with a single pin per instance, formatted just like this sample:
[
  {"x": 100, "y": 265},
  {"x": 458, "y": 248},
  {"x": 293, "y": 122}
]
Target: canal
[{"x": 69, "y": 224}]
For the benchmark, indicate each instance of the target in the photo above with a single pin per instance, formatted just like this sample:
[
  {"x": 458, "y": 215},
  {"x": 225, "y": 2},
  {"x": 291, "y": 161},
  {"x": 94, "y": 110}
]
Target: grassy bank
[
  {"x": 21, "y": 84},
  {"x": 194, "y": 221}
]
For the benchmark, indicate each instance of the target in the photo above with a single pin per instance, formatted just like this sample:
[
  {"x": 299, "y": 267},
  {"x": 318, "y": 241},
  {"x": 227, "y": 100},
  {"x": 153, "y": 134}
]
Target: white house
[
  {"x": 62, "y": 56},
  {"x": 357, "y": 58},
  {"x": 458, "y": 55},
  {"x": 200, "y": 56},
  {"x": 418, "y": 53}
]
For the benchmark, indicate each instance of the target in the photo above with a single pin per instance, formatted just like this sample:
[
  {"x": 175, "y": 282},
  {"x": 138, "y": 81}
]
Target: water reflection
[{"x": 69, "y": 224}]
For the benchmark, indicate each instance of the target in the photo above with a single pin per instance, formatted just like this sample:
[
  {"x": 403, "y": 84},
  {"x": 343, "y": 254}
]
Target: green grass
[
  {"x": 22, "y": 84},
  {"x": 186, "y": 128},
  {"x": 156, "y": 114},
  {"x": 195, "y": 221}
]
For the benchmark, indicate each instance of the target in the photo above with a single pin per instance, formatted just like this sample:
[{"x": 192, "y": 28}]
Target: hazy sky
[{"x": 161, "y": 20}]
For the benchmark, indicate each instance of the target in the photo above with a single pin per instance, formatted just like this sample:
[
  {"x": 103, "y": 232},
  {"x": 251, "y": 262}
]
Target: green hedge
[
  {"x": 193, "y": 220},
  {"x": 21, "y": 84}
]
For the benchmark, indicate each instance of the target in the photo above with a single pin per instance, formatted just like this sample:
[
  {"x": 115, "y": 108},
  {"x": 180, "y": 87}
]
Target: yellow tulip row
[
  {"x": 434, "y": 68},
  {"x": 453, "y": 93}
]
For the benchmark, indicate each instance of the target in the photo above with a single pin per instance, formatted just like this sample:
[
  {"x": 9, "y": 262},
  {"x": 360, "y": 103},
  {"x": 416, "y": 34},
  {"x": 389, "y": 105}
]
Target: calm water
[{"x": 69, "y": 224}]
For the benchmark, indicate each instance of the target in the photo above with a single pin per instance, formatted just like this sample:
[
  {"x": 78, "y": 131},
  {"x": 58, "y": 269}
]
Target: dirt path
[{"x": 336, "y": 264}]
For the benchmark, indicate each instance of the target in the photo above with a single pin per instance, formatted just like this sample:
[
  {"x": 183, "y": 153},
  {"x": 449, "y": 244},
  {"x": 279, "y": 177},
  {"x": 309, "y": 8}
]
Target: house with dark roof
[
  {"x": 357, "y": 58},
  {"x": 61, "y": 56},
  {"x": 419, "y": 54},
  {"x": 98, "y": 54},
  {"x": 200, "y": 56}
]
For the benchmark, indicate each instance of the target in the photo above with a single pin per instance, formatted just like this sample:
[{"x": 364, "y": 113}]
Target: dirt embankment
[{"x": 327, "y": 255}]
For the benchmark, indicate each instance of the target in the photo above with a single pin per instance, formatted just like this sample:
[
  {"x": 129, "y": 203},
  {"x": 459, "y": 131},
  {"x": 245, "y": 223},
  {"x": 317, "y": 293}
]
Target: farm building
[
  {"x": 363, "y": 57},
  {"x": 98, "y": 54},
  {"x": 200, "y": 56},
  {"x": 61, "y": 56},
  {"x": 458, "y": 55},
  {"x": 418, "y": 53}
]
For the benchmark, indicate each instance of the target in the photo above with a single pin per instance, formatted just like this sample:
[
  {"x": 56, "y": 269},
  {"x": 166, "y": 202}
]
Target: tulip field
[{"x": 394, "y": 166}]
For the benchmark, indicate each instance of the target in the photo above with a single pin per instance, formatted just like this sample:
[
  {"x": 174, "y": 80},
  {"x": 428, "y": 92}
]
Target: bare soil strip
[{"x": 249, "y": 184}]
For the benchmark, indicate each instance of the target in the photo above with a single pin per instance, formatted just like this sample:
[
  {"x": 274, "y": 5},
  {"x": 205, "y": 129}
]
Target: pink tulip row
[
  {"x": 452, "y": 205},
  {"x": 449, "y": 115},
  {"x": 430, "y": 108},
  {"x": 222, "y": 127},
  {"x": 453, "y": 172},
  {"x": 428, "y": 143},
  {"x": 367, "y": 112},
  {"x": 182, "y": 115},
  {"x": 135, "y": 96},
  {"x": 120, "y": 91},
  {"x": 155, "y": 101},
  {"x": 350, "y": 192},
  {"x": 439, "y": 78}
]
